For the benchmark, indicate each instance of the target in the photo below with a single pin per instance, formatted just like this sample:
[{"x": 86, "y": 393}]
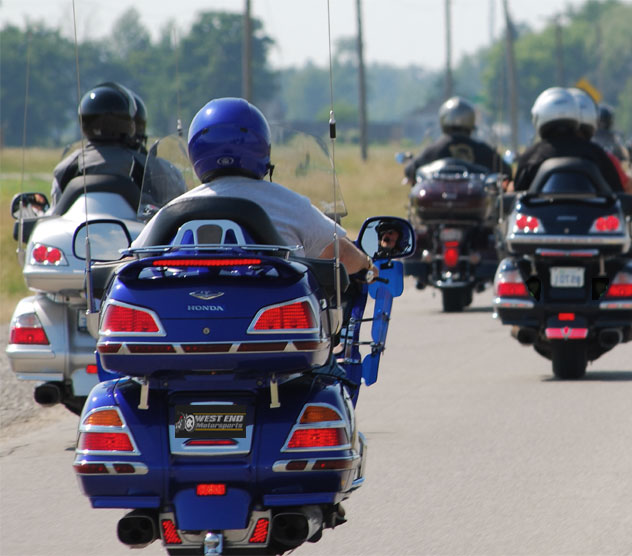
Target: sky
[{"x": 397, "y": 32}]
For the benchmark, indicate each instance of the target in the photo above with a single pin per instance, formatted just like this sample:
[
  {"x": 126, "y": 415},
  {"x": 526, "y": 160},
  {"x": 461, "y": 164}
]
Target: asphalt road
[{"x": 473, "y": 450}]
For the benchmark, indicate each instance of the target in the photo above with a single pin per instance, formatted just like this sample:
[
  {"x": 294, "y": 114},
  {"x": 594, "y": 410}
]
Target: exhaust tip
[
  {"x": 526, "y": 336},
  {"x": 293, "y": 528},
  {"x": 137, "y": 529},
  {"x": 48, "y": 394},
  {"x": 610, "y": 337}
]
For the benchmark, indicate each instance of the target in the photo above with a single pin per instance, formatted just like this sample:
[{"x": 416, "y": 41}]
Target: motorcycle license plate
[
  {"x": 211, "y": 421},
  {"x": 451, "y": 234},
  {"x": 82, "y": 320},
  {"x": 567, "y": 276}
]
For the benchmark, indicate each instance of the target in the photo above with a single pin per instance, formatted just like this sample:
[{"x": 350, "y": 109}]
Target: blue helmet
[{"x": 229, "y": 136}]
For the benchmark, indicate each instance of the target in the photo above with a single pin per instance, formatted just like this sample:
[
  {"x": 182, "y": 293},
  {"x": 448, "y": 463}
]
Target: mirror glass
[
  {"x": 387, "y": 237},
  {"x": 107, "y": 239},
  {"x": 29, "y": 205}
]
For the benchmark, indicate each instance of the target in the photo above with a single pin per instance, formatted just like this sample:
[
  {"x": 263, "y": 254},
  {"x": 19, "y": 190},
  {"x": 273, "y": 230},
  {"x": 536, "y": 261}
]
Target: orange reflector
[
  {"x": 325, "y": 464},
  {"x": 169, "y": 532},
  {"x": 318, "y": 414},
  {"x": 104, "y": 418},
  {"x": 260, "y": 534},
  {"x": 211, "y": 489},
  {"x": 108, "y": 348},
  {"x": 566, "y": 316},
  {"x": 318, "y": 438}
]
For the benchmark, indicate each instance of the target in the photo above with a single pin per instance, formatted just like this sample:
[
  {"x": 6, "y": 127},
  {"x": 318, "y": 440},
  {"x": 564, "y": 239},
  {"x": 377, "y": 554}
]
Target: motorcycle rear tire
[
  {"x": 569, "y": 360},
  {"x": 454, "y": 299}
]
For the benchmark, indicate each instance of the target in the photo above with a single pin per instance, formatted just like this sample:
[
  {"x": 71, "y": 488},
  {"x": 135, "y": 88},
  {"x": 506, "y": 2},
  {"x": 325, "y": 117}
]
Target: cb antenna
[{"x": 332, "y": 138}]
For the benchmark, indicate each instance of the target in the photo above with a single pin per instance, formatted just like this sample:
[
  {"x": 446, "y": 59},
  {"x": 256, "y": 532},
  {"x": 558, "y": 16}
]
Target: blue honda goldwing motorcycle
[{"x": 230, "y": 372}]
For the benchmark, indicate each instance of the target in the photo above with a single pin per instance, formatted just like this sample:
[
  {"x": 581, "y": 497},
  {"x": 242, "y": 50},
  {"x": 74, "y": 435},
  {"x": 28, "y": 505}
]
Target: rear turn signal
[
  {"x": 104, "y": 418},
  {"x": 26, "y": 329},
  {"x": 319, "y": 414}
]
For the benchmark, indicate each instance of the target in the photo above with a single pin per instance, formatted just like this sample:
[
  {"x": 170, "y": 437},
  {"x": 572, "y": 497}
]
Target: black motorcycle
[
  {"x": 566, "y": 283},
  {"x": 451, "y": 207}
]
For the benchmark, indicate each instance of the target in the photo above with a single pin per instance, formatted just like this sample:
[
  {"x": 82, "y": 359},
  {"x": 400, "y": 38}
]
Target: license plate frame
[
  {"x": 567, "y": 276},
  {"x": 212, "y": 421}
]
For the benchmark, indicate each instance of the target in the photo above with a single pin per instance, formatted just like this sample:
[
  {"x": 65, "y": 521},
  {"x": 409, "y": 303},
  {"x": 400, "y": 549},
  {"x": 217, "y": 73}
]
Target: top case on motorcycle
[
  {"x": 247, "y": 214},
  {"x": 98, "y": 183},
  {"x": 595, "y": 184}
]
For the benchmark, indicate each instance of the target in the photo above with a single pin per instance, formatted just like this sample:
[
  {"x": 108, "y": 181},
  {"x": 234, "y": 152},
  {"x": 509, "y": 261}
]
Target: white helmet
[
  {"x": 554, "y": 107},
  {"x": 588, "y": 115}
]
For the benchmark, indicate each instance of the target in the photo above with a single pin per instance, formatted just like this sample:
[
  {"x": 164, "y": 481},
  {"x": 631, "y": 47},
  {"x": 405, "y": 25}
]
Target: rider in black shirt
[{"x": 457, "y": 120}]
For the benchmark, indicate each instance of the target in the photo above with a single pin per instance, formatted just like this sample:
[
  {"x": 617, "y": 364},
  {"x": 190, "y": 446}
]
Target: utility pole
[
  {"x": 361, "y": 85},
  {"x": 513, "y": 84},
  {"x": 246, "y": 57},
  {"x": 449, "y": 84},
  {"x": 559, "y": 52}
]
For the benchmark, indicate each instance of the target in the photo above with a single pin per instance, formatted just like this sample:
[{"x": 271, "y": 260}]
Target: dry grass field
[{"x": 369, "y": 188}]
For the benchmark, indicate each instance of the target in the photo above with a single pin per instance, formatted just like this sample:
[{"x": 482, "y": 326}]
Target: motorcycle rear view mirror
[
  {"x": 403, "y": 157},
  {"x": 387, "y": 237},
  {"x": 107, "y": 239},
  {"x": 29, "y": 205}
]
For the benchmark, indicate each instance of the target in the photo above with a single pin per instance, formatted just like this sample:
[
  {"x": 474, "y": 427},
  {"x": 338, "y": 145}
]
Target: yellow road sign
[{"x": 588, "y": 87}]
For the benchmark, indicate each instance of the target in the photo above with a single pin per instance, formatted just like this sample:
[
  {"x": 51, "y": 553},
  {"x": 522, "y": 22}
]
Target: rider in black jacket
[
  {"x": 556, "y": 116},
  {"x": 457, "y": 120}
]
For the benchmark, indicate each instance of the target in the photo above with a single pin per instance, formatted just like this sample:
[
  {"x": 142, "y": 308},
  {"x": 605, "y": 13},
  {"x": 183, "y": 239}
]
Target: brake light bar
[
  {"x": 210, "y": 489},
  {"x": 206, "y": 262}
]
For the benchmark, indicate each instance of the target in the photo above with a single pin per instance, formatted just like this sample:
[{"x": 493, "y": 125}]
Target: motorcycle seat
[
  {"x": 247, "y": 214},
  {"x": 569, "y": 176},
  {"x": 97, "y": 183}
]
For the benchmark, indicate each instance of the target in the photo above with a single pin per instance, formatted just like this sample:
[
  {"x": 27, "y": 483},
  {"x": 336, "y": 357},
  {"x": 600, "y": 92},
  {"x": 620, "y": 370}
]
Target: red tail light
[
  {"x": 509, "y": 283},
  {"x": 260, "y": 533},
  {"x": 27, "y": 329},
  {"x": 105, "y": 442},
  {"x": 291, "y": 316},
  {"x": 169, "y": 532},
  {"x": 206, "y": 262},
  {"x": 566, "y": 316},
  {"x": 451, "y": 253},
  {"x": 210, "y": 489},
  {"x": 119, "y": 319},
  {"x": 318, "y": 438},
  {"x": 610, "y": 223},
  {"x": 528, "y": 224},
  {"x": 48, "y": 256},
  {"x": 621, "y": 285},
  {"x": 91, "y": 370}
]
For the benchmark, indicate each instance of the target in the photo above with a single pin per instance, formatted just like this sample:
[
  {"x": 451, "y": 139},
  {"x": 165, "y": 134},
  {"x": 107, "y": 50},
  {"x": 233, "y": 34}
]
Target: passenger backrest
[
  {"x": 97, "y": 183},
  {"x": 569, "y": 175}
]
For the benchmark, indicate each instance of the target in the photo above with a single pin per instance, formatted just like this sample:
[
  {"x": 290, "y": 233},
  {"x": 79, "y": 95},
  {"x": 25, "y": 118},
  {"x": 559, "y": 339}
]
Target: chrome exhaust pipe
[
  {"x": 48, "y": 394},
  {"x": 137, "y": 529},
  {"x": 292, "y": 528},
  {"x": 610, "y": 337},
  {"x": 526, "y": 336}
]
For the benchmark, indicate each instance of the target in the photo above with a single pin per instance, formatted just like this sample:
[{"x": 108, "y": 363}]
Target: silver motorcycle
[{"x": 49, "y": 341}]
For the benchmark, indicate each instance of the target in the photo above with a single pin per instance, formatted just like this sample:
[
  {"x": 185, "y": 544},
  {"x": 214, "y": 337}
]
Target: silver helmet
[
  {"x": 555, "y": 106},
  {"x": 457, "y": 115},
  {"x": 588, "y": 115}
]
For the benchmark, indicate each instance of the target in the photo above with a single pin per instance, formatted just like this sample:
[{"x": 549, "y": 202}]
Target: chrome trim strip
[
  {"x": 544, "y": 239},
  {"x": 511, "y": 303},
  {"x": 290, "y": 347},
  {"x": 615, "y": 305},
  {"x": 279, "y": 465}
]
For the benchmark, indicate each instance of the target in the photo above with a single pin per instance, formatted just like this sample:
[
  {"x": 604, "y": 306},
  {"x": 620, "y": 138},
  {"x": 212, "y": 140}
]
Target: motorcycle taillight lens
[
  {"x": 47, "y": 255},
  {"x": 210, "y": 489},
  {"x": 451, "y": 253},
  {"x": 120, "y": 319},
  {"x": 509, "y": 283},
  {"x": 319, "y": 414},
  {"x": 606, "y": 224},
  {"x": 527, "y": 224},
  {"x": 105, "y": 442},
  {"x": 290, "y": 316},
  {"x": 26, "y": 329},
  {"x": 169, "y": 532},
  {"x": 621, "y": 285},
  {"x": 318, "y": 438},
  {"x": 104, "y": 418}
]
